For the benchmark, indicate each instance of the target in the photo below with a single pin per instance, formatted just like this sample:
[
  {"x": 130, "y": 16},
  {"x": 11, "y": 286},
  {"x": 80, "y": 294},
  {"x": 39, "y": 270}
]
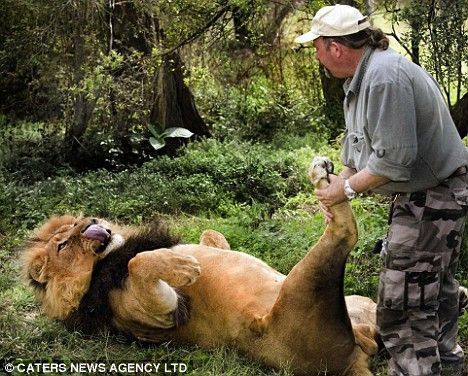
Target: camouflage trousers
[{"x": 417, "y": 310}]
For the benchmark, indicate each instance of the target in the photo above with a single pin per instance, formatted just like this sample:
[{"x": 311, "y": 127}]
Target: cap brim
[{"x": 307, "y": 37}]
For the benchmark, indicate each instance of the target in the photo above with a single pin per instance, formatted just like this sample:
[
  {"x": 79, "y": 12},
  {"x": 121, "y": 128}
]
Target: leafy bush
[
  {"x": 30, "y": 151},
  {"x": 208, "y": 177},
  {"x": 259, "y": 112},
  {"x": 249, "y": 172}
]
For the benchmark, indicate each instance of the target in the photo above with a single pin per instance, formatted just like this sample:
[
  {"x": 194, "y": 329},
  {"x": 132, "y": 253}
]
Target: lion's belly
[{"x": 233, "y": 288}]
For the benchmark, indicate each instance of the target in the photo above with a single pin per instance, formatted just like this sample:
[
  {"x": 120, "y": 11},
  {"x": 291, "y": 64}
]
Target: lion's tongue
[{"x": 96, "y": 232}]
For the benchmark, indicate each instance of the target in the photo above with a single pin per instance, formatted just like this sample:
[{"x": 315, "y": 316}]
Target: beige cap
[{"x": 334, "y": 21}]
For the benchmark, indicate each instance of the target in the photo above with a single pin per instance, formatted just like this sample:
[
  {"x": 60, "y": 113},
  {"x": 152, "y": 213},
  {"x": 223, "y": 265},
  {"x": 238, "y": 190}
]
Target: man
[{"x": 400, "y": 140}]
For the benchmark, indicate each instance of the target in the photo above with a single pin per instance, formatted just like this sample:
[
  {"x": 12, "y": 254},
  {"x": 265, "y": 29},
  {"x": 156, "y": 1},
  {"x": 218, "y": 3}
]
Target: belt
[{"x": 459, "y": 171}]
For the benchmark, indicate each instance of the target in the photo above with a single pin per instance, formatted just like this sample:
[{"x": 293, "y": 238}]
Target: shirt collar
[{"x": 352, "y": 85}]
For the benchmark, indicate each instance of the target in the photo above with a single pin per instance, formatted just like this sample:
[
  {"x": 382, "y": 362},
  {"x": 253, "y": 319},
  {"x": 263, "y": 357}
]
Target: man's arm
[
  {"x": 361, "y": 181},
  {"x": 364, "y": 181},
  {"x": 347, "y": 172}
]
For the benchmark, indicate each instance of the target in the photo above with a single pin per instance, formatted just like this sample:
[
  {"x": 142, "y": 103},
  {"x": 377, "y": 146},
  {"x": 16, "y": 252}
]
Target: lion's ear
[{"x": 36, "y": 270}]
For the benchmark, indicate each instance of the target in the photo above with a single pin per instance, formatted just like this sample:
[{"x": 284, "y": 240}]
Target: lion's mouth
[{"x": 99, "y": 233}]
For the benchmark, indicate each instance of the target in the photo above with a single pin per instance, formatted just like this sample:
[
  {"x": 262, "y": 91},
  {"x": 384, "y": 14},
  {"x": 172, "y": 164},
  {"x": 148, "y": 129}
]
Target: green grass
[{"x": 277, "y": 227}]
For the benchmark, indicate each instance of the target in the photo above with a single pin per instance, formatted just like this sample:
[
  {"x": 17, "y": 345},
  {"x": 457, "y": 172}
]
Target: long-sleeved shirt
[{"x": 398, "y": 124}]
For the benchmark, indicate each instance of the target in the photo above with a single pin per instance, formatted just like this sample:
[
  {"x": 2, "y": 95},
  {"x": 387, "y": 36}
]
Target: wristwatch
[{"x": 349, "y": 192}]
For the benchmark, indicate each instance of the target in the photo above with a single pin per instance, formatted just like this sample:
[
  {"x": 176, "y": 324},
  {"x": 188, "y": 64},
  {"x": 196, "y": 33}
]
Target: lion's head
[{"x": 59, "y": 259}]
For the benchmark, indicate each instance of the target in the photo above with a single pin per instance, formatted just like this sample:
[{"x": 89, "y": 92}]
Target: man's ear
[{"x": 336, "y": 49}]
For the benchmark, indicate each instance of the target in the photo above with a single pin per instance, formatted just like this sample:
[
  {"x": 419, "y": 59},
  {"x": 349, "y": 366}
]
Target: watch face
[{"x": 349, "y": 192}]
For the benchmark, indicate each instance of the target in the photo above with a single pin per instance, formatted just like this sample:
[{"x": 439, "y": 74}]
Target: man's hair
[{"x": 374, "y": 38}]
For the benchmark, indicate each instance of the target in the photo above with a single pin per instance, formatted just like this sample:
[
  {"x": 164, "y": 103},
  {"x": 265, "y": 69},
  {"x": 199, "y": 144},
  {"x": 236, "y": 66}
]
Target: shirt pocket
[
  {"x": 357, "y": 141},
  {"x": 352, "y": 149}
]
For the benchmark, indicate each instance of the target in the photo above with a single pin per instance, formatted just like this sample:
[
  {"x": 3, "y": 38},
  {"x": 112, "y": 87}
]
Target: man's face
[{"x": 329, "y": 55}]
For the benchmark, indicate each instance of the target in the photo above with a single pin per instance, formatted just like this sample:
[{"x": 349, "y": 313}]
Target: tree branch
[
  {"x": 400, "y": 42},
  {"x": 197, "y": 33}
]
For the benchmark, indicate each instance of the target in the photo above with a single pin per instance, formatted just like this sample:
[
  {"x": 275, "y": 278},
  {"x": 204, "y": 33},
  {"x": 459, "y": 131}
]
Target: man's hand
[
  {"x": 332, "y": 195},
  {"x": 326, "y": 212},
  {"x": 362, "y": 181}
]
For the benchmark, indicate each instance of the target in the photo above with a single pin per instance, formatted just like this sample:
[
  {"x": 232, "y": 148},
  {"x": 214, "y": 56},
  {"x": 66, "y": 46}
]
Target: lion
[{"x": 143, "y": 283}]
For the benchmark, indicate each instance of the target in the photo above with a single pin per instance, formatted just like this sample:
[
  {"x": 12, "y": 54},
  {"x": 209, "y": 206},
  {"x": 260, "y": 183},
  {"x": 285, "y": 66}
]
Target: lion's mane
[{"x": 94, "y": 313}]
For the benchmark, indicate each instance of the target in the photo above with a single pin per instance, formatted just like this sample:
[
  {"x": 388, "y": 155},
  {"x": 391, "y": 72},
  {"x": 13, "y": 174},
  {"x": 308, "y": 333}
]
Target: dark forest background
[
  {"x": 92, "y": 84},
  {"x": 203, "y": 113}
]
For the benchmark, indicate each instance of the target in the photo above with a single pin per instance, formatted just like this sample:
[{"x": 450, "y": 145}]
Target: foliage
[
  {"x": 273, "y": 92},
  {"x": 158, "y": 139},
  {"x": 255, "y": 194},
  {"x": 440, "y": 25},
  {"x": 30, "y": 151},
  {"x": 208, "y": 177},
  {"x": 102, "y": 80},
  {"x": 79, "y": 68}
]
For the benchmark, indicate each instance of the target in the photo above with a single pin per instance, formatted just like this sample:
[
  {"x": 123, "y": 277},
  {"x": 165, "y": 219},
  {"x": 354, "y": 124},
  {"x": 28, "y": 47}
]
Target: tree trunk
[
  {"x": 460, "y": 115},
  {"x": 416, "y": 33},
  {"x": 278, "y": 13},
  {"x": 268, "y": 32},
  {"x": 82, "y": 108},
  {"x": 131, "y": 29},
  {"x": 174, "y": 105},
  {"x": 241, "y": 30},
  {"x": 333, "y": 95}
]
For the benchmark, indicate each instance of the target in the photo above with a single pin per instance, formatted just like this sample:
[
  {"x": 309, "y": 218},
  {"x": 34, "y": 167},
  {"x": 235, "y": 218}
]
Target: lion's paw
[{"x": 319, "y": 169}]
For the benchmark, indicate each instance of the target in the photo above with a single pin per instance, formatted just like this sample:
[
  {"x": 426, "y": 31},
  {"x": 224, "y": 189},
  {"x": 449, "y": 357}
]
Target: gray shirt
[{"x": 398, "y": 124}]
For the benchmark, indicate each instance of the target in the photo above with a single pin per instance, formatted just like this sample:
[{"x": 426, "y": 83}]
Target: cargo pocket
[
  {"x": 461, "y": 196},
  {"x": 409, "y": 290}
]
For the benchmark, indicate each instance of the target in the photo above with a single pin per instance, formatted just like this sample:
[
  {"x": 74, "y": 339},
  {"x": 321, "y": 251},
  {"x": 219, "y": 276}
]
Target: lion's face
[{"x": 59, "y": 260}]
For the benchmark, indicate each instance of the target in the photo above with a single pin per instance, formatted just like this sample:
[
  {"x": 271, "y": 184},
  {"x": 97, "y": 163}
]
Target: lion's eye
[{"x": 61, "y": 246}]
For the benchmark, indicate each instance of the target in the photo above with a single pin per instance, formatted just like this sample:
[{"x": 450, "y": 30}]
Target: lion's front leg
[
  {"x": 149, "y": 299},
  {"x": 173, "y": 267}
]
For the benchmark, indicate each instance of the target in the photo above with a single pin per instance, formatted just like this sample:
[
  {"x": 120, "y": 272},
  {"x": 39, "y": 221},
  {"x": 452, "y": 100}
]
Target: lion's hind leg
[
  {"x": 360, "y": 366},
  {"x": 215, "y": 239},
  {"x": 365, "y": 337}
]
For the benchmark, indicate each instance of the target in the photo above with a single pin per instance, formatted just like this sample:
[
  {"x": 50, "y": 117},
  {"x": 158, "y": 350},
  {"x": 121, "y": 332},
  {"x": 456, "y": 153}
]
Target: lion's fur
[
  {"x": 154, "y": 289},
  {"x": 94, "y": 312},
  {"x": 58, "y": 289}
]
